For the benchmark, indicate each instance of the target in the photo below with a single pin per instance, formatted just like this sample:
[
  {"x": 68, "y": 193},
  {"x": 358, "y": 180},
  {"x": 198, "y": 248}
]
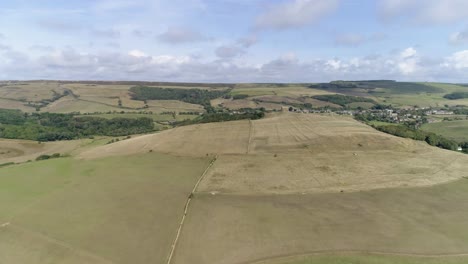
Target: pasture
[
  {"x": 100, "y": 211},
  {"x": 456, "y": 130},
  {"x": 351, "y": 258},
  {"x": 232, "y": 228}
]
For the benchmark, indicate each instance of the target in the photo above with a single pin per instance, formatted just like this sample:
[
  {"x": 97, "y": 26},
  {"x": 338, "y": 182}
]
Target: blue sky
[{"x": 234, "y": 40}]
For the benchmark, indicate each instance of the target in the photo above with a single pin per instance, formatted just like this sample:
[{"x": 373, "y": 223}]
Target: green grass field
[
  {"x": 456, "y": 130},
  {"x": 420, "y": 221},
  {"x": 100, "y": 211}
]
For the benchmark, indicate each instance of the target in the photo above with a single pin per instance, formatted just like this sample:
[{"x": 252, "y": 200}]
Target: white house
[{"x": 459, "y": 149}]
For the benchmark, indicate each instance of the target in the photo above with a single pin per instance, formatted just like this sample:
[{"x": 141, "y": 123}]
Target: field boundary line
[
  {"x": 286, "y": 257},
  {"x": 186, "y": 207},
  {"x": 60, "y": 243}
]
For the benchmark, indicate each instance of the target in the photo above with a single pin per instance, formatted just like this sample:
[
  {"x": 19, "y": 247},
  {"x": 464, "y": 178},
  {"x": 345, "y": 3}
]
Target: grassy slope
[
  {"x": 69, "y": 211},
  {"x": 372, "y": 259},
  {"x": 422, "y": 99},
  {"x": 456, "y": 130},
  {"x": 428, "y": 220}
]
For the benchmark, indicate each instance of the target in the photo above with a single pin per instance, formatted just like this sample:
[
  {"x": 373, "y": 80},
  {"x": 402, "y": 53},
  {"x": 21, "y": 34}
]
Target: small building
[{"x": 459, "y": 149}]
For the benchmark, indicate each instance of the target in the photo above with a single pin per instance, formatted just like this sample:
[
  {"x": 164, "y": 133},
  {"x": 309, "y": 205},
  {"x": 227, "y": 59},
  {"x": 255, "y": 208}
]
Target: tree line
[{"x": 52, "y": 126}]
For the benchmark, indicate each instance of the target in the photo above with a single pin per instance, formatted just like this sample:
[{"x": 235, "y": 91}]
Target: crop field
[
  {"x": 456, "y": 130},
  {"x": 292, "y": 91},
  {"x": 194, "y": 140},
  {"x": 100, "y": 211},
  {"x": 299, "y": 153}
]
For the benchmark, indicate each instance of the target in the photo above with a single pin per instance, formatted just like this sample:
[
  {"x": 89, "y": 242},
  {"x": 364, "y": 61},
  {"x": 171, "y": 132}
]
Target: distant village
[{"x": 416, "y": 116}]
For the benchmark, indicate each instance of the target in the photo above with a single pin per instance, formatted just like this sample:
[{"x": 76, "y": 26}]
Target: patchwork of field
[
  {"x": 100, "y": 211},
  {"x": 84, "y": 98},
  {"x": 288, "y": 188},
  {"x": 456, "y": 130},
  {"x": 299, "y": 153}
]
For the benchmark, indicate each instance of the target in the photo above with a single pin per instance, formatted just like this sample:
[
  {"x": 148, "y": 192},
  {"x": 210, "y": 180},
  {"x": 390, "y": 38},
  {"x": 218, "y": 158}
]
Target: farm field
[
  {"x": 99, "y": 211},
  {"x": 368, "y": 259},
  {"x": 456, "y": 130},
  {"x": 429, "y": 220},
  {"x": 290, "y": 188},
  {"x": 13, "y": 150},
  {"x": 299, "y": 153}
]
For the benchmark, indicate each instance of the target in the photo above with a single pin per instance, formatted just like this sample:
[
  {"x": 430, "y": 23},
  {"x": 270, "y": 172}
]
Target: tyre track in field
[{"x": 186, "y": 207}]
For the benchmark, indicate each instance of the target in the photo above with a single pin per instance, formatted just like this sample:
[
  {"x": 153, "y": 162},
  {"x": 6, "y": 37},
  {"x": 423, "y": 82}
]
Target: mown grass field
[
  {"x": 456, "y": 130},
  {"x": 430, "y": 220},
  {"x": 370, "y": 259},
  {"x": 111, "y": 210}
]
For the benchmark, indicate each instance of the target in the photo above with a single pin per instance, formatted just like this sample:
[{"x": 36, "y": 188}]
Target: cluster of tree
[
  {"x": 52, "y": 127},
  {"x": 193, "y": 96},
  {"x": 239, "y": 96},
  {"x": 431, "y": 138},
  {"x": 393, "y": 86},
  {"x": 456, "y": 95},
  {"x": 14, "y": 117},
  {"x": 461, "y": 111},
  {"x": 342, "y": 100},
  {"x": 251, "y": 114}
]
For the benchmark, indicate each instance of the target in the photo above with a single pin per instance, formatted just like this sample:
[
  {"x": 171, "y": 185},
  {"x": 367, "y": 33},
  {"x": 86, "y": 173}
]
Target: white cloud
[
  {"x": 459, "y": 37},
  {"x": 425, "y": 11},
  {"x": 295, "y": 13},
  {"x": 408, "y": 53},
  {"x": 137, "y": 53},
  {"x": 408, "y": 61},
  {"x": 180, "y": 35},
  {"x": 458, "y": 60},
  {"x": 135, "y": 64}
]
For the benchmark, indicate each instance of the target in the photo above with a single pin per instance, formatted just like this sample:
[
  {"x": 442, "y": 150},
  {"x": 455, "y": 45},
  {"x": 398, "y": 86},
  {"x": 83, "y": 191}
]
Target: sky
[{"x": 234, "y": 40}]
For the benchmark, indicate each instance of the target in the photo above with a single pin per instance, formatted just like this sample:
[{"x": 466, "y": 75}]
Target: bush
[
  {"x": 46, "y": 156},
  {"x": 240, "y": 96},
  {"x": 43, "y": 157}
]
